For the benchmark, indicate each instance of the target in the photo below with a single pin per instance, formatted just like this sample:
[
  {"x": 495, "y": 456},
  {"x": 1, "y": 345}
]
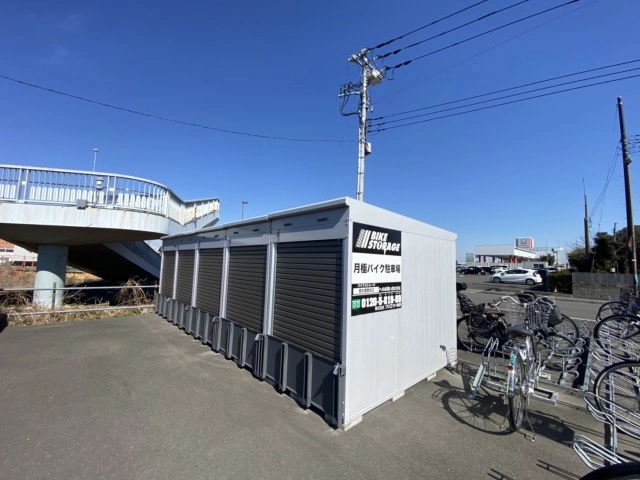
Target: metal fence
[{"x": 36, "y": 185}]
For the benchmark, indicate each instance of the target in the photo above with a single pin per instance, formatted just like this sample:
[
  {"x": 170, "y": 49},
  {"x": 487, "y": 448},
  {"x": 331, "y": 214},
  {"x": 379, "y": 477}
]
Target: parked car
[
  {"x": 517, "y": 275},
  {"x": 473, "y": 270},
  {"x": 498, "y": 269}
]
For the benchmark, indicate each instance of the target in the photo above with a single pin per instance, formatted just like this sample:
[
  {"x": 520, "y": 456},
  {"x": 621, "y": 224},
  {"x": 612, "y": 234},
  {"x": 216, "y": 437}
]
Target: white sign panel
[{"x": 376, "y": 269}]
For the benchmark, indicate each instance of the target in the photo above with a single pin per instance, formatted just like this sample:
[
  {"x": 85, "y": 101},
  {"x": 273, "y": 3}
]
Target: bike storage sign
[{"x": 376, "y": 282}]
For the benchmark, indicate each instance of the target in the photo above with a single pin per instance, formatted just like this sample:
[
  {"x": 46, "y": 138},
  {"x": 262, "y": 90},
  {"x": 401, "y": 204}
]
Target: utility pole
[
  {"x": 587, "y": 245},
  {"x": 631, "y": 235},
  {"x": 370, "y": 76}
]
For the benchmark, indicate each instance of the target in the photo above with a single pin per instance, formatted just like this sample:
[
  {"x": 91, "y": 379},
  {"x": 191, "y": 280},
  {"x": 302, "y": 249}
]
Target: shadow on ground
[
  {"x": 488, "y": 411},
  {"x": 4, "y": 321}
]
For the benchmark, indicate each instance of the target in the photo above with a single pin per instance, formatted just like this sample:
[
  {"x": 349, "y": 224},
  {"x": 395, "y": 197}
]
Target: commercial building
[
  {"x": 15, "y": 255},
  {"x": 515, "y": 254}
]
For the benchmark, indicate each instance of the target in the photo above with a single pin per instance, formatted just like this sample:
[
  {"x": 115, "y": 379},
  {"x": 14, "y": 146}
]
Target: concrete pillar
[{"x": 51, "y": 269}]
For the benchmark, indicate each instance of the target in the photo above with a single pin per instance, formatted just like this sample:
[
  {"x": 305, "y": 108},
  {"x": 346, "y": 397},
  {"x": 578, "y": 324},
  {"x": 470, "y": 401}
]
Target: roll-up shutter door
[
  {"x": 308, "y": 296},
  {"x": 209, "y": 281},
  {"x": 184, "y": 279},
  {"x": 168, "y": 269},
  {"x": 245, "y": 289}
]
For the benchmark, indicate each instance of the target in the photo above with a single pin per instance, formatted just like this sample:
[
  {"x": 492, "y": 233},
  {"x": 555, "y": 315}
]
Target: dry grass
[
  {"x": 68, "y": 313},
  {"x": 16, "y": 277},
  {"x": 16, "y": 308},
  {"x": 23, "y": 277}
]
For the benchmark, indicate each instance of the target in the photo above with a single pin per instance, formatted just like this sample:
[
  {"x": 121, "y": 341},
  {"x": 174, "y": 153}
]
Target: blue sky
[{"x": 272, "y": 70}]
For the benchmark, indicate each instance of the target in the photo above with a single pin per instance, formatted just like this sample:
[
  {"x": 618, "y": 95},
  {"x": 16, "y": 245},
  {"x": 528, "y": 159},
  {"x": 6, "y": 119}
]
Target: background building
[
  {"x": 10, "y": 253},
  {"x": 515, "y": 254}
]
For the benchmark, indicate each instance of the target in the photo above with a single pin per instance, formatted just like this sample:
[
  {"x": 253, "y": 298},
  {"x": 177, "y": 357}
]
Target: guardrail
[{"x": 35, "y": 185}]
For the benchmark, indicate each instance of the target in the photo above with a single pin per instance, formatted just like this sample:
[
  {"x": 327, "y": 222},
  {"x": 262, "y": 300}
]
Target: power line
[
  {"x": 446, "y": 17},
  {"x": 171, "y": 120},
  {"x": 608, "y": 178},
  {"x": 610, "y": 171},
  {"x": 507, "y": 103},
  {"x": 483, "y": 17},
  {"x": 528, "y": 17},
  {"x": 487, "y": 50},
  {"x": 499, "y": 98},
  {"x": 503, "y": 90}
]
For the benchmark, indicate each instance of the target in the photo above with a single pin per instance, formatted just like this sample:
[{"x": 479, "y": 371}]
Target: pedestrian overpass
[{"x": 95, "y": 221}]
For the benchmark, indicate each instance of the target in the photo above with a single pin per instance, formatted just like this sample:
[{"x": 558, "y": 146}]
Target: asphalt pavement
[{"x": 136, "y": 398}]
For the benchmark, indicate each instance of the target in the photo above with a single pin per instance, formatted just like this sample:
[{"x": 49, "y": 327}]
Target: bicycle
[
  {"x": 524, "y": 367},
  {"x": 613, "y": 400},
  {"x": 627, "y": 304},
  {"x": 476, "y": 323},
  {"x": 619, "y": 336},
  {"x": 616, "y": 393},
  {"x": 612, "y": 395},
  {"x": 558, "y": 352},
  {"x": 522, "y": 373},
  {"x": 476, "y": 327},
  {"x": 556, "y": 320},
  {"x": 520, "y": 331},
  {"x": 537, "y": 313}
]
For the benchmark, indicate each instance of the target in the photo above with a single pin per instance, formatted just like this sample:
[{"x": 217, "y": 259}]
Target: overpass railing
[{"x": 35, "y": 185}]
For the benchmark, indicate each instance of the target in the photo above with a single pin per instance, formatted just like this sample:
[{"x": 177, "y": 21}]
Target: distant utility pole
[
  {"x": 370, "y": 76},
  {"x": 631, "y": 234},
  {"x": 95, "y": 157},
  {"x": 587, "y": 245}
]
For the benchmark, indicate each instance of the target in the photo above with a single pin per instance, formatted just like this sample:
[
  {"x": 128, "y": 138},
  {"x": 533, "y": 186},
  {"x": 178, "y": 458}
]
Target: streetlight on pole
[
  {"x": 95, "y": 157},
  {"x": 244, "y": 202}
]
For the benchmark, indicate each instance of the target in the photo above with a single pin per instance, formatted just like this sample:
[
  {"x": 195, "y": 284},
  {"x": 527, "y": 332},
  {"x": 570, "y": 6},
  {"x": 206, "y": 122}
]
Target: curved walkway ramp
[{"x": 94, "y": 221}]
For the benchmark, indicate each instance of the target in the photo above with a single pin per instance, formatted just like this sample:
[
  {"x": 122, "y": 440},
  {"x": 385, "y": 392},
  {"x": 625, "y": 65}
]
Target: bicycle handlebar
[{"x": 504, "y": 298}]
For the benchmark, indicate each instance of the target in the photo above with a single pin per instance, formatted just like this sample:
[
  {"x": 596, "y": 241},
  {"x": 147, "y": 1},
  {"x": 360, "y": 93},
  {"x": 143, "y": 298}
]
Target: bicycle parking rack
[
  {"x": 484, "y": 368},
  {"x": 615, "y": 417},
  {"x": 546, "y": 396},
  {"x": 489, "y": 376}
]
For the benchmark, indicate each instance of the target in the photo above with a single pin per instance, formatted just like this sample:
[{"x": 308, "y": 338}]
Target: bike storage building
[{"x": 341, "y": 304}]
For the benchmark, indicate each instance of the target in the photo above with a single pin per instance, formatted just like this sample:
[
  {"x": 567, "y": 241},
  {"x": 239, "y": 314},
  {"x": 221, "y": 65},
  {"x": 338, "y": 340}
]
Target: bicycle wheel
[
  {"x": 618, "y": 336},
  {"x": 474, "y": 332},
  {"x": 555, "y": 348},
  {"x": 617, "y": 393},
  {"x": 465, "y": 339},
  {"x": 567, "y": 327},
  {"x": 617, "y": 471},
  {"x": 611, "y": 308},
  {"x": 518, "y": 401},
  {"x": 558, "y": 342}
]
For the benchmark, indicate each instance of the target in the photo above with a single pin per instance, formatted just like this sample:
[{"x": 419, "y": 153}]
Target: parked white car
[{"x": 517, "y": 275}]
